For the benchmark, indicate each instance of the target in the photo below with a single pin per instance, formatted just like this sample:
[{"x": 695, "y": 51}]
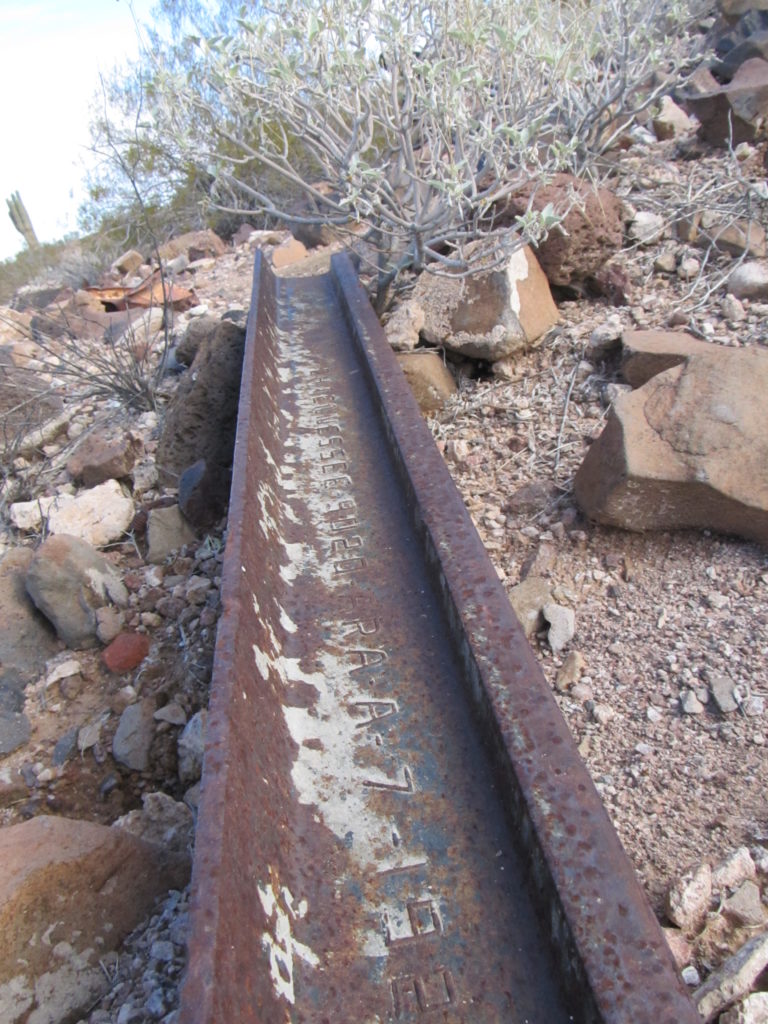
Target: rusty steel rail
[{"x": 395, "y": 824}]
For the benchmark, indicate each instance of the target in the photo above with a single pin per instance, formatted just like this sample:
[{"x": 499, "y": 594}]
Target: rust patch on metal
[
  {"x": 152, "y": 293},
  {"x": 395, "y": 824}
]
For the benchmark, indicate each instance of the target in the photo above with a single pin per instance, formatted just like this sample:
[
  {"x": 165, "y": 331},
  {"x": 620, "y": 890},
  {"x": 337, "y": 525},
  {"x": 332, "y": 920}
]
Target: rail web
[{"x": 395, "y": 824}]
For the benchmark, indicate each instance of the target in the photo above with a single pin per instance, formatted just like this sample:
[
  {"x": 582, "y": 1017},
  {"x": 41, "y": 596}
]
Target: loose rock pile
[{"x": 112, "y": 593}]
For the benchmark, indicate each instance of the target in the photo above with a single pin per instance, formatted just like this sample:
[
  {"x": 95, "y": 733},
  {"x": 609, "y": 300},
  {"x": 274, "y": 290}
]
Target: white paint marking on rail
[
  {"x": 287, "y": 622},
  {"x": 281, "y": 946}
]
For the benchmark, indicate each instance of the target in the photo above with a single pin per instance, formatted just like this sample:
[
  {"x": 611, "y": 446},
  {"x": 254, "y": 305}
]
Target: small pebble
[
  {"x": 688, "y": 269},
  {"x": 753, "y": 707},
  {"x": 171, "y": 713},
  {"x": 162, "y": 950},
  {"x": 691, "y": 704},
  {"x": 647, "y": 228},
  {"x": 570, "y": 672},
  {"x": 732, "y": 309},
  {"x": 605, "y": 338},
  {"x": 665, "y": 263},
  {"x": 691, "y": 976},
  {"x": 155, "y": 1004},
  {"x": 582, "y": 693},
  {"x": 602, "y": 713}
]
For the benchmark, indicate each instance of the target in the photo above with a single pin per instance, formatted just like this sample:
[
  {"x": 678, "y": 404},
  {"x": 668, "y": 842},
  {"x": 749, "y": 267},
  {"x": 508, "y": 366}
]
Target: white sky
[{"x": 51, "y": 52}]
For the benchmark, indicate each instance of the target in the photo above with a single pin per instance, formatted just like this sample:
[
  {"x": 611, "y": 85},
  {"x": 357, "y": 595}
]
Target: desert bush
[
  {"x": 411, "y": 121},
  {"x": 128, "y": 368}
]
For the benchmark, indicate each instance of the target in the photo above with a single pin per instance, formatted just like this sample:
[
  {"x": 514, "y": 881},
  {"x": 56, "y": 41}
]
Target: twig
[{"x": 561, "y": 431}]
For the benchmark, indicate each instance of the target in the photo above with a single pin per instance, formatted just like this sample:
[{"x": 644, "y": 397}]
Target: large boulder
[
  {"x": 82, "y": 323},
  {"x": 689, "y": 448},
  {"x": 288, "y": 252},
  {"x": 35, "y": 297},
  {"x": 490, "y": 314},
  {"x": 129, "y": 262},
  {"x": 755, "y": 45},
  {"x": 162, "y": 821},
  {"x": 590, "y": 233},
  {"x": 70, "y": 891},
  {"x": 647, "y": 353},
  {"x": 14, "y": 326},
  {"x": 68, "y": 581},
  {"x": 737, "y": 42},
  {"x": 202, "y": 493},
  {"x": 26, "y": 639},
  {"x": 403, "y": 327},
  {"x": 670, "y": 121},
  {"x": 734, "y": 112},
  {"x": 201, "y": 418}
]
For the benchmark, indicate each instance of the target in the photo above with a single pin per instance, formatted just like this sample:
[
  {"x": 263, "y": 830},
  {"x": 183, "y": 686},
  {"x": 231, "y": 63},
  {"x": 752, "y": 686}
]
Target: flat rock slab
[
  {"x": 689, "y": 448},
  {"x": 647, "y": 353},
  {"x": 69, "y": 892},
  {"x": 734, "y": 978}
]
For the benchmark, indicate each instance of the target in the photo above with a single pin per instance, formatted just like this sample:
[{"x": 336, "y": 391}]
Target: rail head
[
  {"x": 600, "y": 920},
  {"x": 262, "y": 843}
]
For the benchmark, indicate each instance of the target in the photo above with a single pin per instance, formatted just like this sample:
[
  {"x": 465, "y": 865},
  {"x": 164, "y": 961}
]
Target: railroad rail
[{"x": 395, "y": 824}]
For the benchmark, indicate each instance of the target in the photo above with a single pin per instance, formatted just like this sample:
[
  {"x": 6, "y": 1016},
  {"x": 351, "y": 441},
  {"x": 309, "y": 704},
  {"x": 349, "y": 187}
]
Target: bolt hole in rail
[{"x": 395, "y": 824}]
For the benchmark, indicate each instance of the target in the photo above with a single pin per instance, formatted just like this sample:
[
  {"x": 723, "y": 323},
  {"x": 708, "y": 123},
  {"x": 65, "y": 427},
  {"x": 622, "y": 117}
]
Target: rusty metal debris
[
  {"x": 152, "y": 292},
  {"x": 395, "y": 824}
]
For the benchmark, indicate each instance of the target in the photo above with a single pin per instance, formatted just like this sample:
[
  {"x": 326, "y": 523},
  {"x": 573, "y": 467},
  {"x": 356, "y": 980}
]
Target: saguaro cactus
[{"x": 17, "y": 211}]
